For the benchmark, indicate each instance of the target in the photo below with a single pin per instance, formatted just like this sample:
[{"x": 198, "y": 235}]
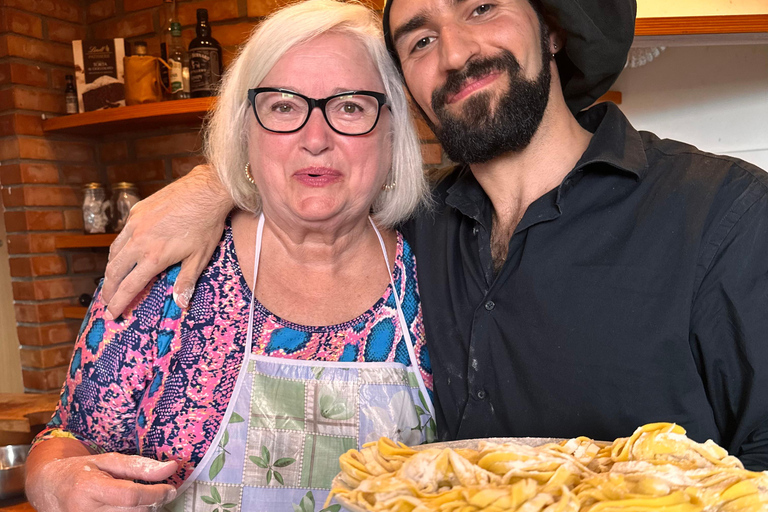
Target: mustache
[{"x": 477, "y": 68}]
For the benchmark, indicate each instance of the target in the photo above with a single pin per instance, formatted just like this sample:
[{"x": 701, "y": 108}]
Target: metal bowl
[{"x": 12, "y": 460}]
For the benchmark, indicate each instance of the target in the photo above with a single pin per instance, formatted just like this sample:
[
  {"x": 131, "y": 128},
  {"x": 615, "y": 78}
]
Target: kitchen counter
[
  {"x": 22, "y": 415},
  {"x": 21, "y": 412}
]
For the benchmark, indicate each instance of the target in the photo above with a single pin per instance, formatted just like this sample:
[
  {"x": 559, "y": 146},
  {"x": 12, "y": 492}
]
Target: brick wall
[
  {"x": 41, "y": 177},
  {"x": 42, "y": 174}
]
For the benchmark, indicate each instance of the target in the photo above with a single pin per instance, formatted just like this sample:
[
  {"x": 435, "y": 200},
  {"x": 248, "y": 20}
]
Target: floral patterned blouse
[{"x": 157, "y": 380}]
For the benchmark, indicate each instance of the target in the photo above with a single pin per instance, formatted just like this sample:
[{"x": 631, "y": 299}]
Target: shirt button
[
  {"x": 481, "y": 394},
  {"x": 490, "y": 305}
]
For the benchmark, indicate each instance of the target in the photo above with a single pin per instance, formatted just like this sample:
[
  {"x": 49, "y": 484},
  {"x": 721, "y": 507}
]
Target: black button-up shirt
[{"x": 634, "y": 292}]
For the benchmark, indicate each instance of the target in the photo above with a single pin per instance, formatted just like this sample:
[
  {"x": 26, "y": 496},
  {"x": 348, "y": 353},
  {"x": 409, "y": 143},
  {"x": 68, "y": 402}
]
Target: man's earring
[{"x": 248, "y": 172}]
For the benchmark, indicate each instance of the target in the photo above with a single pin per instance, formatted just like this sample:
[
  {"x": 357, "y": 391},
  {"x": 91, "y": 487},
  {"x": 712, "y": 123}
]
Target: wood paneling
[
  {"x": 697, "y": 25},
  {"x": 10, "y": 367}
]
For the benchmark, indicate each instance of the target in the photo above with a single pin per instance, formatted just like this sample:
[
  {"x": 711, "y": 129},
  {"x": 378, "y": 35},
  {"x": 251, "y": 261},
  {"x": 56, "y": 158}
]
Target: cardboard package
[{"x": 99, "y": 75}]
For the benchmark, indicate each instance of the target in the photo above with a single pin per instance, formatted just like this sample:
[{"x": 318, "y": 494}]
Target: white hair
[{"x": 226, "y": 140}]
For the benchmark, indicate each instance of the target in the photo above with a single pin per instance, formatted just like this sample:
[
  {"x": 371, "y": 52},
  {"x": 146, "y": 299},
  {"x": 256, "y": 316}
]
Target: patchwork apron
[{"x": 289, "y": 420}]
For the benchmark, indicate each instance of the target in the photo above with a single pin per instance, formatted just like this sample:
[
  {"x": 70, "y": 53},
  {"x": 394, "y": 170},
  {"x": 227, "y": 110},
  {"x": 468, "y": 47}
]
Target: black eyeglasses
[{"x": 347, "y": 113}]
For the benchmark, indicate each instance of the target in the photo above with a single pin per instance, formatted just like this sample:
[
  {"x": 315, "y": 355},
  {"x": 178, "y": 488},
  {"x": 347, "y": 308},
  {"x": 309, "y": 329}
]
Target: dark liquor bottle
[
  {"x": 165, "y": 77},
  {"x": 71, "y": 95},
  {"x": 204, "y": 59}
]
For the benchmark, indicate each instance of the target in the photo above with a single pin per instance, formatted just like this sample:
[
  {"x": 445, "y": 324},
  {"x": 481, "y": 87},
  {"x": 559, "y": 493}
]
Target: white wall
[
  {"x": 714, "y": 97},
  {"x": 10, "y": 365}
]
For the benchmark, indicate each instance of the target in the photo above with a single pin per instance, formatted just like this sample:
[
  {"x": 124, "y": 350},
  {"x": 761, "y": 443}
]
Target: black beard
[{"x": 480, "y": 133}]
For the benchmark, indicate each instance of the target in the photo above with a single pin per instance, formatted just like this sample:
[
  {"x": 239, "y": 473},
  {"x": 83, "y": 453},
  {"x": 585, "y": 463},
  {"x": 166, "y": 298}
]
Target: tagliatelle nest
[{"x": 658, "y": 468}]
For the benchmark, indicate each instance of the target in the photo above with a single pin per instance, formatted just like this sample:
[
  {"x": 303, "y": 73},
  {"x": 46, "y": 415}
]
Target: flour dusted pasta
[{"x": 658, "y": 468}]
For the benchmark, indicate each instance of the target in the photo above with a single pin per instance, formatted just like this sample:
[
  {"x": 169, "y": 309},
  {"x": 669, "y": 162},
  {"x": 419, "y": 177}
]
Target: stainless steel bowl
[{"x": 12, "y": 460}]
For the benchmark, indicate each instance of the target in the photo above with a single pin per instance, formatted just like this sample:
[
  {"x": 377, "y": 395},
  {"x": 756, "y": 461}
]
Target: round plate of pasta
[{"x": 658, "y": 468}]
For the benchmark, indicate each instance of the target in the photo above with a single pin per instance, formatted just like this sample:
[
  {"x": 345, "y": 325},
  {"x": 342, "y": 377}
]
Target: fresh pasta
[{"x": 658, "y": 468}]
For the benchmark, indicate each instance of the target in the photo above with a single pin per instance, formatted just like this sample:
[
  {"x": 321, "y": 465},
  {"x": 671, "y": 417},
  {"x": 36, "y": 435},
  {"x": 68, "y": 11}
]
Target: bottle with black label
[{"x": 204, "y": 59}]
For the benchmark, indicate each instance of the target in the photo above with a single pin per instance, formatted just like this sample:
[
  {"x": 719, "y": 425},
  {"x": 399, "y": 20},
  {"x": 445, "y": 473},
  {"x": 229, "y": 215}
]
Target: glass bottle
[
  {"x": 168, "y": 17},
  {"x": 95, "y": 208},
  {"x": 124, "y": 196},
  {"x": 140, "y": 48},
  {"x": 165, "y": 76},
  {"x": 185, "y": 76},
  {"x": 70, "y": 95},
  {"x": 176, "y": 61},
  {"x": 204, "y": 59}
]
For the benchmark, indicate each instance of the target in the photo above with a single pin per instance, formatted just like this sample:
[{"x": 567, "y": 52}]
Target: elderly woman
[{"x": 304, "y": 337}]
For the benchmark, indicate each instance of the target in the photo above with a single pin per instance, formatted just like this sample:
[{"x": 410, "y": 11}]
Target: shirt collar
[
  {"x": 467, "y": 196},
  {"x": 614, "y": 142}
]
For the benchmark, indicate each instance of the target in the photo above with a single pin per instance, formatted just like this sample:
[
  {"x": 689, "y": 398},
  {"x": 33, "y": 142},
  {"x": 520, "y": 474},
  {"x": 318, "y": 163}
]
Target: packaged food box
[{"x": 99, "y": 75}]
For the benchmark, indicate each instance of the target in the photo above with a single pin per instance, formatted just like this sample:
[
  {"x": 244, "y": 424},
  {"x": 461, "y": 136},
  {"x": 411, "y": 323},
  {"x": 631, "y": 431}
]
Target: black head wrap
[{"x": 598, "y": 35}]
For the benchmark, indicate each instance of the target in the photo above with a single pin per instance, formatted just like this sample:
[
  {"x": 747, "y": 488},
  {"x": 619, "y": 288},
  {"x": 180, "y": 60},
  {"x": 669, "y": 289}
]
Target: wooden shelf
[
  {"x": 153, "y": 115},
  {"x": 136, "y": 117},
  {"x": 76, "y": 312},
  {"x": 84, "y": 241},
  {"x": 700, "y": 25}
]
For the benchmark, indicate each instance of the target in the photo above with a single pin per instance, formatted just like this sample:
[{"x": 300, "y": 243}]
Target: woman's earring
[
  {"x": 555, "y": 46},
  {"x": 248, "y": 172},
  {"x": 389, "y": 186}
]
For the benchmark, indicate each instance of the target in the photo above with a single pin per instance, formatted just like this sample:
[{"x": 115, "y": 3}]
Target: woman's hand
[
  {"x": 100, "y": 483},
  {"x": 182, "y": 222}
]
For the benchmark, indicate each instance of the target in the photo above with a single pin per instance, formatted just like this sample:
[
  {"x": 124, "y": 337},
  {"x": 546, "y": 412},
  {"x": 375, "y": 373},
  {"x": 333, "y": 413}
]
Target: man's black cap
[{"x": 598, "y": 34}]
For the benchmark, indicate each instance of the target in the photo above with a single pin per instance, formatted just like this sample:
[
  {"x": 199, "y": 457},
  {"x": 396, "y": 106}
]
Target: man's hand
[
  {"x": 182, "y": 222},
  {"x": 101, "y": 483}
]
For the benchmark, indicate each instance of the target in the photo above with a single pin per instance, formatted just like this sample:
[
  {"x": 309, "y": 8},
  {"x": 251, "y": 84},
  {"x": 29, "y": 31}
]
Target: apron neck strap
[
  {"x": 404, "y": 325},
  {"x": 400, "y": 316}
]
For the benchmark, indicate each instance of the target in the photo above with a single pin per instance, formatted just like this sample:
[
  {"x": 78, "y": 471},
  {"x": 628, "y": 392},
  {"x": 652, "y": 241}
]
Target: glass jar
[
  {"x": 95, "y": 208},
  {"x": 124, "y": 196}
]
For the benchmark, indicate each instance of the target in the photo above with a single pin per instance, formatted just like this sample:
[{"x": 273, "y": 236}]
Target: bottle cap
[
  {"x": 176, "y": 29},
  {"x": 123, "y": 185},
  {"x": 140, "y": 47},
  {"x": 68, "y": 77},
  {"x": 202, "y": 15},
  {"x": 92, "y": 185}
]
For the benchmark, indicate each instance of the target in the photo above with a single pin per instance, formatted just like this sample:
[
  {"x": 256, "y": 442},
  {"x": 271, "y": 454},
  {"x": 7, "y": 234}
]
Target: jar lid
[
  {"x": 122, "y": 185},
  {"x": 93, "y": 185}
]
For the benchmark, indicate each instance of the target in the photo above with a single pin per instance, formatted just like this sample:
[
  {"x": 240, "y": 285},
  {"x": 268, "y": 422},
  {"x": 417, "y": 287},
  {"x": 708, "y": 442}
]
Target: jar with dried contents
[
  {"x": 95, "y": 208},
  {"x": 124, "y": 195}
]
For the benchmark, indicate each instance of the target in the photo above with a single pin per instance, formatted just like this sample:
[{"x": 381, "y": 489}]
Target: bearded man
[{"x": 578, "y": 277}]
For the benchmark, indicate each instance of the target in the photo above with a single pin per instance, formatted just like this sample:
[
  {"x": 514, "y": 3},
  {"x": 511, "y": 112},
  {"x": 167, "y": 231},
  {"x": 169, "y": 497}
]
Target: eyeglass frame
[{"x": 313, "y": 103}]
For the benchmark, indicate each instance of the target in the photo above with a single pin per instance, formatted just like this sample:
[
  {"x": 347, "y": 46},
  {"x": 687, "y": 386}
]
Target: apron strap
[
  {"x": 256, "y": 256},
  {"x": 404, "y": 325},
  {"x": 401, "y": 317},
  {"x": 240, "y": 376}
]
